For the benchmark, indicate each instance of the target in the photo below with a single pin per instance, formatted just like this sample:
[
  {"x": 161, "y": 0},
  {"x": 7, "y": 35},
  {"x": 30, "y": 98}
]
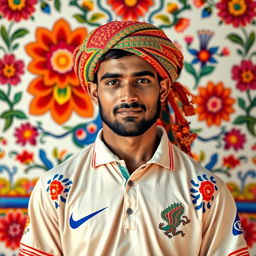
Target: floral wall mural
[{"x": 45, "y": 116}]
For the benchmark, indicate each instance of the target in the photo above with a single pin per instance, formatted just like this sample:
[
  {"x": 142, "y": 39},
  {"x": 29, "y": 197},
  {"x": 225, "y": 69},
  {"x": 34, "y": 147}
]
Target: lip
[{"x": 129, "y": 111}]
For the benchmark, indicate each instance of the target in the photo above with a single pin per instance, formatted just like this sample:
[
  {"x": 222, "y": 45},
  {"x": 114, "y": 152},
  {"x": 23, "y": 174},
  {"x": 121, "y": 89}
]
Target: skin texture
[{"x": 130, "y": 133}]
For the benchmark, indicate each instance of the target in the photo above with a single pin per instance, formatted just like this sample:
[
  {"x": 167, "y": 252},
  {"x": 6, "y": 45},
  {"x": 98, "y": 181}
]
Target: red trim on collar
[
  {"x": 240, "y": 252},
  {"x": 171, "y": 156},
  {"x": 93, "y": 157}
]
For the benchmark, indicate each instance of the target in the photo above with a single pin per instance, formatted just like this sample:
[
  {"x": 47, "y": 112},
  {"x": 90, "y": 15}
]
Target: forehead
[{"x": 126, "y": 65}]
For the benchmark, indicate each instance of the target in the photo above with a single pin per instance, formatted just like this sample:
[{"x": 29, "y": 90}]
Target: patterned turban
[{"x": 152, "y": 45}]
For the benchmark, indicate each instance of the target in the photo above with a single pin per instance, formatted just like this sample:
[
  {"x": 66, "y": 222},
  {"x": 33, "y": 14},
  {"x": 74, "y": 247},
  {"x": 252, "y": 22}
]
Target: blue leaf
[
  {"x": 46, "y": 8},
  {"x": 194, "y": 183},
  {"x": 200, "y": 178},
  {"x": 63, "y": 199},
  {"x": 61, "y": 176},
  {"x": 199, "y": 206},
  {"x": 206, "y": 12},
  {"x": 205, "y": 177},
  {"x": 213, "y": 161},
  {"x": 45, "y": 160},
  {"x": 65, "y": 180},
  {"x": 193, "y": 190},
  {"x": 213, "y": 49},
  {"x": 212, "y": 60},
  {"x": 69, "y": 183},
  {"x": 193, "y": 51},
  {"x": 194, "y": 61}
]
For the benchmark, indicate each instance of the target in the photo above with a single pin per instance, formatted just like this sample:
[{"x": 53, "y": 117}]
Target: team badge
[
  {"x": 203, "y": 192},
  {"x": 173, "y": 215},
  {"x": 237, "y": 227},
  {"x": 59, "y": 187}
]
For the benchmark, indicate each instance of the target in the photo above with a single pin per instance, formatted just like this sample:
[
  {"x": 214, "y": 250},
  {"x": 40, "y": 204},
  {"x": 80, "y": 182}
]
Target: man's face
[{"x": 128, "y": 95}]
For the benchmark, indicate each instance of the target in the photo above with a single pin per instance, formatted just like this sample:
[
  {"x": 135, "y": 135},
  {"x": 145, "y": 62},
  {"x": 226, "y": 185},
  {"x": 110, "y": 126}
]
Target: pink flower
[
  {"x": 245, "y": 75},
  {"x": 237, "y": 12},
  {"x": 189, "y": 39},
  {"x": 26, "y": 134},
  {"x": 234, "y": 139},
  {"x": 11, "y": 69}
]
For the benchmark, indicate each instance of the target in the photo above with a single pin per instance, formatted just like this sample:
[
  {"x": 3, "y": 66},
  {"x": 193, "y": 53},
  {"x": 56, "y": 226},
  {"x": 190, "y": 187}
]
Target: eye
[
  {"x": 143, "y": 81},
  {"x": 113, "y": 82}
]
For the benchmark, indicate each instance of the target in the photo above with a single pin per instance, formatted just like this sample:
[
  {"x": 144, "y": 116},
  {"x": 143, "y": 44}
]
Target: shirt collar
[{"x": 163, "y": 155}]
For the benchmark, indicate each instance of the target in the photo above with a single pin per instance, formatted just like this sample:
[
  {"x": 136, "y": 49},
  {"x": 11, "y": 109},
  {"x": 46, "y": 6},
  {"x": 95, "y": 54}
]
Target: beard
[{"x": 139, "y": 127}]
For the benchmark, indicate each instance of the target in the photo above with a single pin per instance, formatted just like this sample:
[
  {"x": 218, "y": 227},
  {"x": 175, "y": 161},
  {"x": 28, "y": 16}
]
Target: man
[{"x": 133, "y": 192}]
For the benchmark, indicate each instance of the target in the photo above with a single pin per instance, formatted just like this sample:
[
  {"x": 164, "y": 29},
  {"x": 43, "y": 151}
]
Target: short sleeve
[
  {"x": 222, "y": 232},
  {"x": 41, "y": 235}
]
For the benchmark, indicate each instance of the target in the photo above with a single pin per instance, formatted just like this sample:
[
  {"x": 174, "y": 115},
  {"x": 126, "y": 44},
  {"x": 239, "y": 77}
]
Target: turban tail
[{"x": 151, "y": 44}]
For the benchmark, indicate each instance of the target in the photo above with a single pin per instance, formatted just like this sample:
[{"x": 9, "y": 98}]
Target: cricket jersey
[{"x": 170, "y": 205}]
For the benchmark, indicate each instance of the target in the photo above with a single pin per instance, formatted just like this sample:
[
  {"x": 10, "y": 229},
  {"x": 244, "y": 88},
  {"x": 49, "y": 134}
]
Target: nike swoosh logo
[{"x": 77, "y": 223}]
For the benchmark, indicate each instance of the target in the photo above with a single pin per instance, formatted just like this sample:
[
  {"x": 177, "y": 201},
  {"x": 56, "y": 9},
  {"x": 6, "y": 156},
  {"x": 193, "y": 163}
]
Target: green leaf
[
  {"x": 235, "y": 39},
  {"x": 164, "y": 18},
  {"x": 19, "y": 33},
  {"x": 251, "y": 127},
  {"x": 249, "y": 42},
  {"x": 241, "y": 103},
  {"x": 253, "y": 104},
  {"x": 190, "y": 69},
  {"x": 80, "y": 18},
  {"x": 57, "y": 5},
  {"x": 5, "y": 36},
  {"x": 3, "y": 96},
  {"x": 7, "y": 124},
  {"x": 17, "y": 97},
  {"x": 244, "y": 119},
  {"x": 239, "y": 52},
  {"x": 96, "y": 16},
  {"x": 15, "y": 46},
  {"x": 206, "y": 70},
  {"x": 11, "y": 113}
]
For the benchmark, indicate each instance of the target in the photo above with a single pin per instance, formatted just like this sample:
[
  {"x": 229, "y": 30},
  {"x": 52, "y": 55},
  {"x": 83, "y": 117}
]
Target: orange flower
[
  {"x": 57, "y": 89},
  {"x": 181, "y": 25},
  {"x": 214, "y": 103}
]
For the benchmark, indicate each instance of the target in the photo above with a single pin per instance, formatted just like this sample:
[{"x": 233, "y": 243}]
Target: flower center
[
  {"x": 130, "y": 3},
  {"x": 203, "y": 55},
  {"x": 237, "y": 7},
  {"x": 14, "y": 229},
  {"x": 247, "y": 76},
  {"x": 214, "y": 104},
  {"x": 27, "y": 134},
  {"x": 233, "y": 139},
  {"x": 16, "y": 5},
  {"x": 61, "y": 61},
  {"x": 62, "y": 95},
  {"x": 9, "y": 71}
]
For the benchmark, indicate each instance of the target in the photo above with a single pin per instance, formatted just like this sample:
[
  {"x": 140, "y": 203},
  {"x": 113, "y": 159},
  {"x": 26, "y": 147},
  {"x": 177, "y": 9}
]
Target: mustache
[{"x": 127, "y": 105}]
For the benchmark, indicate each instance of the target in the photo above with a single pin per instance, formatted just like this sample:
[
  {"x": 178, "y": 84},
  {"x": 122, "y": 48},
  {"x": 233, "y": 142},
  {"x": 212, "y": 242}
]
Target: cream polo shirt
[{"x": 91, "y": 205}]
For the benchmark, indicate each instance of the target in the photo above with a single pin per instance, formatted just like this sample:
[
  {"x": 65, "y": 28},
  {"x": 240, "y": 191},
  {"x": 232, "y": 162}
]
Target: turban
[{"x": 152, "y": 45}]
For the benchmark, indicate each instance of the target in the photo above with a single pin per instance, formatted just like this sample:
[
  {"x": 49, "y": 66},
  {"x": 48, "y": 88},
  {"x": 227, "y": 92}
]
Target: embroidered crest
[
  {"x": 203, "y": 192},
  {"x": 59, "y": 187},
  {"x": 173, "y": 216}
]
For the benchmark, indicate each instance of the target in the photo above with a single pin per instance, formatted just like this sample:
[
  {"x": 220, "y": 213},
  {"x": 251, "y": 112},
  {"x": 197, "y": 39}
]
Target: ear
[
  {"x": 92, "y": 91},
  {"x": 165, "y": 86}
]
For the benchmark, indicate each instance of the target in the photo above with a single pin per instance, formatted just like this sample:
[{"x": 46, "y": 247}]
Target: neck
[{"x": 136, "y": 150}]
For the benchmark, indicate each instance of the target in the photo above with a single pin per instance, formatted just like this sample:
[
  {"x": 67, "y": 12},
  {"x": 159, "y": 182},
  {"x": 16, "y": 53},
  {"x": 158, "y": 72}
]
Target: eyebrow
[{"x": 136, "y": 74}]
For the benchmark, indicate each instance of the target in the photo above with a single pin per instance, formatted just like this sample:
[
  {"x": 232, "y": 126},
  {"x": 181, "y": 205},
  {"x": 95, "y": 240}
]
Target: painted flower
[
  {"x": 26, "y": 133},
  {"x": 199, "y": 3},
  {"x": 181, "y": 25},
  {"x": 25, "y": 157},
  {"x": 130, "y": 9},
  {"x": 189, "y": 39},
  {"x": 57, "y": 89},
  {"x": 11, "y": 69},
  {"x": 231, "y": 161},
  {"x": 88, "y": 5},
  {"x": 11, "y": 229},
  {"x": 207, "y": 190},
  {"x": 237, "y": 12},
  {"x": 249, "y": 230},
  {"x": 234, "y": 139},
  {"x": 245, "y": 75},
  {"x": 17, "y": 10},
  {"x": 204, "y": 54},
  {"x": 172, "y": 7},
  {"x": 214, "y": 103},
  {"x": 56, "y": 189},
  {"x": 225, "y": 51}
]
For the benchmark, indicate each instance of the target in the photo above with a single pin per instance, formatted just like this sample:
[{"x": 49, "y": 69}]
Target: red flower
[
  {"x": 237, "y": 12},
  {"x": 234, "y": 139},
  {"x": 214, "y": 103},
  {"x": 17, "y": 10},
  {"x": 207, "y": 190},
  {"x": 245, "y": 74},
  {"x": 231, "y": 161},
  {"x": 130, "y": 9},
  {"x": 11, "y": 229},
  {"x": 249, "y": 230},
  {"x": 26, "y": 134},
  {"x": 25, "y": 157},
  {"x": 189, "y": 39},
  {"x": 181, "y": 25},
  {"x": 10, "y": 69},
  {"x": 225, "y": 52},
  {"x": 55, "y": 189},
  {"x": 198, "y": 3}
]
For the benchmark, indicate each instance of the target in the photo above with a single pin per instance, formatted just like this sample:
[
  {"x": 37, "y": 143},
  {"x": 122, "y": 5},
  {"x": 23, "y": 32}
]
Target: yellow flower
[
  {"x": 172, "y": 7},
  {"x": 88, "y": 5}
]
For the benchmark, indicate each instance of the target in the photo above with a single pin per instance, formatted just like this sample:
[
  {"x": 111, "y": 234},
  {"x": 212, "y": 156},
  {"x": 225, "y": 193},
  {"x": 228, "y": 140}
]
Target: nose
[{"x": 128, "y": 94}]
